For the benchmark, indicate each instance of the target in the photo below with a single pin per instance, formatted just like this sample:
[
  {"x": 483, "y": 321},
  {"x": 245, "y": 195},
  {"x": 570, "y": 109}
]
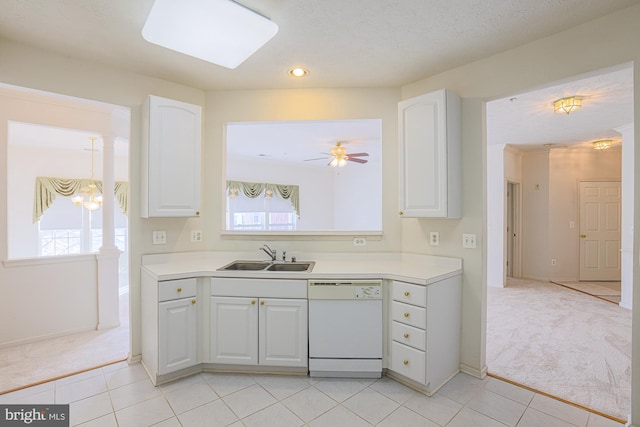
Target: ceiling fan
[{"x": 338, "y": 156}]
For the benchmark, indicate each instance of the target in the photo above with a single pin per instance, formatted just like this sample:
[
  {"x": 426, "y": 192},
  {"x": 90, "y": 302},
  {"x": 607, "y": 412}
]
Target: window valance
[
  {"x": 255, "y": 189},
  {"x": 47, "y": 188}
]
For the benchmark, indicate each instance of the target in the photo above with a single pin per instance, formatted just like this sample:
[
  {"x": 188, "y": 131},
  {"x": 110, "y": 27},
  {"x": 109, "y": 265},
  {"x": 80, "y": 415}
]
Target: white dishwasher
[{"x": 345, "y": 328}]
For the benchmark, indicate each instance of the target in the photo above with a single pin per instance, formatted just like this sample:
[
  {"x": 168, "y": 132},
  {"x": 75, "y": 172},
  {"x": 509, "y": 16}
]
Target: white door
[
  {"x": 234, "y": 330},
  {"x": 600, "y": 230},
  {"x": 283, "y": 332},
  {"x": 177, "y": 334}
]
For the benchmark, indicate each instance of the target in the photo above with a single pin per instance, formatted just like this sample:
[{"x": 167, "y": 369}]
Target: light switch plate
[
  {"x": 469, "y": 241},
  {"x": 159, "y": 237}
]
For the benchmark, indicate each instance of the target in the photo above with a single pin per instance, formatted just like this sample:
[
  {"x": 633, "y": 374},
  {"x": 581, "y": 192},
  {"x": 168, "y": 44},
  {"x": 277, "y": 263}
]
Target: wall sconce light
[
  {"x": 602, "y": 144},
  {"x": 567, "y": 105}
]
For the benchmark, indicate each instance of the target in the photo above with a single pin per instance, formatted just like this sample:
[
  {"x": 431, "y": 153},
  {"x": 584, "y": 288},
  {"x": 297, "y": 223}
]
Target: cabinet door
[
  {"x": 283, "y": 332},
  {"x": 234, "y": 330},
  {"x": 430, "y": 171},
  {"x": 171, "y": 159},
  {"x": 177, "y": 332}
]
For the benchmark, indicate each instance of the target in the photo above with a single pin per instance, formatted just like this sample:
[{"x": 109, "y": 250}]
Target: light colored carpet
[
  {"x": 609, "y": 291},
  {"x": 28, "y": 364},
  {"x": 561, "y": 342}
]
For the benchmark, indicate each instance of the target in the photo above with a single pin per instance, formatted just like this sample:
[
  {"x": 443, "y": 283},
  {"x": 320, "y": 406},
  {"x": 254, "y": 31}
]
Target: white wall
[{"x": 496, "y": 212}]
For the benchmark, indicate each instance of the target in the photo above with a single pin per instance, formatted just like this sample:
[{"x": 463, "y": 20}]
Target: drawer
[
  {"x": 408, "y": 361},
  {"x": 409, "y": 314},
  {"x": 410, "y": 294},
  {"x": 408, "y": 335},
  {"x": 176, "y": 289}
]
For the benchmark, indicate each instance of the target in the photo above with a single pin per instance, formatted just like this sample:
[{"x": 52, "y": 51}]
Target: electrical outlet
[
  {"x": 359, "y": 241},
  {"x": 196, "y": 235},
  {"x": 469, "y": 241},
  {"x": 434, "y": 238},
  {"x": 159, "y": 237},
  {"x": 554, "y": 261}
]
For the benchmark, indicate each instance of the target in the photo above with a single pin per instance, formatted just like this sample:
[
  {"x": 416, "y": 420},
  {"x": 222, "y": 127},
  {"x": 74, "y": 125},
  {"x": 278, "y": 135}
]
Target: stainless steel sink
[
  {"x": 292, "y": 266},
  {"x": 304, "y": 266},
  {"x": 246, "y": 265}
]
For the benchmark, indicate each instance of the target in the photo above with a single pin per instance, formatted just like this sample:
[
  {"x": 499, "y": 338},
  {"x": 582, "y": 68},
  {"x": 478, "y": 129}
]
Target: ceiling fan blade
[
  {"x": 357, "y": 154},
  {"x": 317, "y": 158},
  {"x": 351, "y": 159}
]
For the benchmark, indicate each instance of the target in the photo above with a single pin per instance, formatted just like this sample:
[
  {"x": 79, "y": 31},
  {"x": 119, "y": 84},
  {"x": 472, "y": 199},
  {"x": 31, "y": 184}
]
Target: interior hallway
[{"x": 561, "y": 342}]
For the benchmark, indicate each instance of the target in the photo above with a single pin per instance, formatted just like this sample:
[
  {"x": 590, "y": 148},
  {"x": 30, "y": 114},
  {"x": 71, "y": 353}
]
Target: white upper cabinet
[
  {"x": 430, "y": 156},
  {"x": 171, "y": 144}
]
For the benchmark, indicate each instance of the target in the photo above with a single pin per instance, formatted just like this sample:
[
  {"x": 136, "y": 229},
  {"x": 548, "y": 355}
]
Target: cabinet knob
[
  {"x": 261, "y": 302},
  {"x": 253, "y": 302},
  {"x": 401, "y": 213},
  {"x": 405, "y": 362},
  {"x": 406, "y": 293},
  {"x": 193, "y": 301},
  {"x": 583, "y": 236},
  {"x": 406, "y": 315},
  {"x": 197, "y": 212},
  {"x": 179, "y": 289},
  {"x": 406, "y": 335}
]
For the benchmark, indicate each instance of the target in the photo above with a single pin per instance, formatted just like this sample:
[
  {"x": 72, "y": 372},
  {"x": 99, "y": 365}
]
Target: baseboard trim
[
  {"x": 593, "y": 411},
  {"x": 474, "y": 372},
  {"x": 62, "y": 376}
]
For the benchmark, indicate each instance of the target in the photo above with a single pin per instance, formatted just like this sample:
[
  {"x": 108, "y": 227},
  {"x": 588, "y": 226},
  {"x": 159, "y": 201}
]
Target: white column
[
  {"x": 626, "y": 246},
  {"x": 109, "y": 255}
]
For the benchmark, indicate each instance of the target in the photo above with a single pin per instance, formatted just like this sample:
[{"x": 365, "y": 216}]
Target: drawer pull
[
  {"x": 405, "y": 362},
  {"x": 261, "y": 302},
  {"x": 179, "y": 289},
  {"x": 406, "y": 335},
  {"x": 406, "y": 315},
  {"x": 193, "y": 301},
  {"x": 406, "y": 293},
  {"x": 253, "y": 302}
]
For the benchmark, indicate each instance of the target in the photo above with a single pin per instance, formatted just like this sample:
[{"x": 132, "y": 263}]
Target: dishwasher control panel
[
  {"x": 368, "y": 292},
  {"x": 345, "y": 290}
]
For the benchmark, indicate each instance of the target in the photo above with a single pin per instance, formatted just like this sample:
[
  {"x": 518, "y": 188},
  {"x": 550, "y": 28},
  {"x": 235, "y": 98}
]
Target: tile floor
[{"x": 122, "y": 395}]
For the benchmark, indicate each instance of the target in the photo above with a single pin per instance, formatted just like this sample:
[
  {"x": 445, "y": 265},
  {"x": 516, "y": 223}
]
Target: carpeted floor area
[
  {"x": 32, "y": 363},
  {"x": 561, "y": 342},
  {"x": 609, "y": 291}
]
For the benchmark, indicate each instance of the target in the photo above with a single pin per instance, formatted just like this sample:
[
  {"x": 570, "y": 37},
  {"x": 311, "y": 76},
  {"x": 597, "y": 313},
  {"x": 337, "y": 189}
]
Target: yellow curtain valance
[
  {"x": 255, "y": 189},
  {"x": 47, "y": 188}
]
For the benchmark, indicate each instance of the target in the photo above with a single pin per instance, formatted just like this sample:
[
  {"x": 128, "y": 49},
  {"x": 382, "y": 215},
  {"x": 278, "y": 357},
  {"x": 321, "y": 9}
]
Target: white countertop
[{"x": 411, "y": 268}]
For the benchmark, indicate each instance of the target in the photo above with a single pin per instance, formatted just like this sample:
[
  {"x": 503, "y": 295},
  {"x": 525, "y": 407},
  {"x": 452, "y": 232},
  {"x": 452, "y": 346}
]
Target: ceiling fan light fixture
[
  {"x": 567, "y": 105},
  {"x": 602, "y": 144},
  {"x": 222, "y": 32}
]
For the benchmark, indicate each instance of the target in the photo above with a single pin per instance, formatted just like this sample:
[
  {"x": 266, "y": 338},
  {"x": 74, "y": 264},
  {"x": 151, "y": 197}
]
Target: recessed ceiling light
[
  {"x": 298, "y": 72},
  {"x": 222, "y": 32}
]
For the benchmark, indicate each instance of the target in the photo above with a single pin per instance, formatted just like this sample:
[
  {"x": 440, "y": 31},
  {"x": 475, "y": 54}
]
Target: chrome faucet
[{"x": 271, "y": 252}]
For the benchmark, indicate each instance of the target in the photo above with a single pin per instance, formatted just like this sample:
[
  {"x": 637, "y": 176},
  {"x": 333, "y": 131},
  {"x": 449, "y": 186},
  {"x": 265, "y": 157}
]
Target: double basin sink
[{"x": 280, "y": 266}]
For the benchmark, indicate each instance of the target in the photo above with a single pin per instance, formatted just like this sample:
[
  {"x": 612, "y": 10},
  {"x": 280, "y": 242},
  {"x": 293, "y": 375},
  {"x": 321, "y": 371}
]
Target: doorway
[{"x": 512, "y": 233}]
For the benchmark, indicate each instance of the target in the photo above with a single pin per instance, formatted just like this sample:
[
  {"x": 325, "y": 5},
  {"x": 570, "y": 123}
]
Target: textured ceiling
[{"x": 354, "y": 43}]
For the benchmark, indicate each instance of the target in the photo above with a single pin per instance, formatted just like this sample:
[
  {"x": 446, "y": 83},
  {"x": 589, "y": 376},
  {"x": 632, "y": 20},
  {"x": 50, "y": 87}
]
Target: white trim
[{"x": 30, "y": 262}]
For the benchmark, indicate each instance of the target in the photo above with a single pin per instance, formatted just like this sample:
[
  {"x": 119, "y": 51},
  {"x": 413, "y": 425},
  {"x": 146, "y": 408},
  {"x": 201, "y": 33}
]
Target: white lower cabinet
[
  {"x": 425, "y": 332},
  {"x": 259, "y": 331},
  {"x": 170, "y": 327},
  {"x": 177, "y": 343}
]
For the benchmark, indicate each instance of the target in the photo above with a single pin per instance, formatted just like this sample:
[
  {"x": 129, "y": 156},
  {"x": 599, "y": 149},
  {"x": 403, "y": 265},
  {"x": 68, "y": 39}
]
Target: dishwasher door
[{"x": 345, "y": 329}]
